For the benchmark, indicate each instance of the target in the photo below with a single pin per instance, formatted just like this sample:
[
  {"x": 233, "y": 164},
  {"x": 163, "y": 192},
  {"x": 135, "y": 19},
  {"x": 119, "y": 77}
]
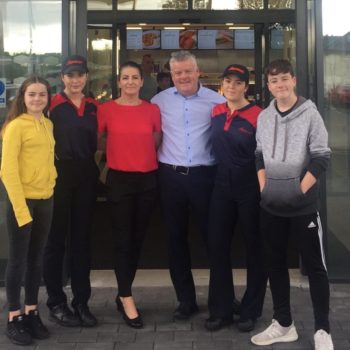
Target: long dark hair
[{"x": 18, "y": 106}]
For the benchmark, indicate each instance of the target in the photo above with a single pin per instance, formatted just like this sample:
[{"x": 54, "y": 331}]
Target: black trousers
[
  {"x": 26, "y": 248},
  {"x": 74, "y": 199},
  {"x": 231, "y": 206},
  {"x": 308, "y": 231},
  {"x": 181, "y": 195},
  {"x": 132, "y": 197}
]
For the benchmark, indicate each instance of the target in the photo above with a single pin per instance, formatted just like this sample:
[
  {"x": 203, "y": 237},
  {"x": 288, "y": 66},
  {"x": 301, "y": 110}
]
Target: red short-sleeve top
[{"x": 130, "y": 141}]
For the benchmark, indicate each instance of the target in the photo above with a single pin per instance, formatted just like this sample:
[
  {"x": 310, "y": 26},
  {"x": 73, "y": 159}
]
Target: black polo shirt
[{"x": 75, "y": 129}]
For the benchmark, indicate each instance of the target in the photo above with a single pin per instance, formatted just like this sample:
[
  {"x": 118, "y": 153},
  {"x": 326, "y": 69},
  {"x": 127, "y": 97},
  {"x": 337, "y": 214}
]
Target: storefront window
[
  {"x": 281, "y": 4},
  {"x": 336, "y": 37},
  {"x": 100, "y": 63},
  {"x": 228, "y": 4},
  {"x": 152, "y": 5},
  {"x": 30, "y": 42},
  {"x": 99, "y": 5}
]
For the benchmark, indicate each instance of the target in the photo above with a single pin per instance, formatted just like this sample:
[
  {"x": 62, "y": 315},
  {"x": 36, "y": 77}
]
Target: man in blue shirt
[{"x": 186, "y": 169}]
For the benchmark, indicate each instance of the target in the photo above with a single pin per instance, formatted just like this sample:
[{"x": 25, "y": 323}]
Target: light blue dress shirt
[{"x": 186, "y": 126}]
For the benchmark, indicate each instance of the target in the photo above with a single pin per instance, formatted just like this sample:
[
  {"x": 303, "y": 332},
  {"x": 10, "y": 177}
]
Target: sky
[{"x": 335, "y": 17}]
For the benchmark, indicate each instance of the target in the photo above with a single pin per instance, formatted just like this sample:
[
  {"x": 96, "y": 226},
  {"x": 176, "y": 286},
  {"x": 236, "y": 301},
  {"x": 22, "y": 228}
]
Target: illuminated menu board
[
  {"x": 244, "y": 39},
  {"x": 170, "y": 39},
  {"x": 188, "y": 39},
  {"x": 151, "y": 39},
  {"x": 174, "y": 39},
  {"x": 215, "y": 39},
  {"x": 138, "y": 39},
  {"x": 134, "y": 39}
]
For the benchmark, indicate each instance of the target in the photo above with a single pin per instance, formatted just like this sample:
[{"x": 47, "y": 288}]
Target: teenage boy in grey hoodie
[{"x": 292, "y": 152}]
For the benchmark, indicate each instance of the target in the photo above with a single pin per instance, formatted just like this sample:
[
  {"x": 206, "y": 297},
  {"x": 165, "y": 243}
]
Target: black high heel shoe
[{"x": 131, "y": 322}]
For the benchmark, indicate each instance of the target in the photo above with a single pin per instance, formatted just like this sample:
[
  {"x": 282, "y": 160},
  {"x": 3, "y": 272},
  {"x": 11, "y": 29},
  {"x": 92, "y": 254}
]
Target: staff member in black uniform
[
  {"x": 235, "y": 201},
  {"x": 75, "y": 131}
]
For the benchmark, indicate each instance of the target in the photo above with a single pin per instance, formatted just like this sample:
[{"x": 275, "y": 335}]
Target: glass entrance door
[{"x": 252, "y": 46}]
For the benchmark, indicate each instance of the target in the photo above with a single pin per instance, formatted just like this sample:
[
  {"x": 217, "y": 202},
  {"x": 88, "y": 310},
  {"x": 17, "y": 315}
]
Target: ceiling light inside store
[
  {"x": 174, "y": 28},
  {"x": 101, "y": 44},
  {"x": 142, "y": 24},
  {"x": 186, "y": 24},
  {"x": 239, "y": 27},
  {"x": 133, "y": 28},
  {"x": 229, "y": 24}
]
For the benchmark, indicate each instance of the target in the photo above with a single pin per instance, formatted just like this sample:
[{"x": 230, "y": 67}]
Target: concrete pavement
[{"x": 156, "y": 300}]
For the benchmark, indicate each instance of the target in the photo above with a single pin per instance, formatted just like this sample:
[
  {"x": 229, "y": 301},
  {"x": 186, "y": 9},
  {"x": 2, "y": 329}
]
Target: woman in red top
[{"x": 132, "y": 127}]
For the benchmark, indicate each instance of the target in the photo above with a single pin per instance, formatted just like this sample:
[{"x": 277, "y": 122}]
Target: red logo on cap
[
  {"x": 74, "y": 62},
  {"x": 237, "y": 69}
]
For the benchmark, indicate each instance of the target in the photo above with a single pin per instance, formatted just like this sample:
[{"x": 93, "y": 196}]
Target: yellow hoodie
[{"x": 27, "y": 164}]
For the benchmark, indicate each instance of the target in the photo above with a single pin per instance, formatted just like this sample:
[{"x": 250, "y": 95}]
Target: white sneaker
[
  {"x": 323, "y": 340},
  {"x": 275, "y": 333}
]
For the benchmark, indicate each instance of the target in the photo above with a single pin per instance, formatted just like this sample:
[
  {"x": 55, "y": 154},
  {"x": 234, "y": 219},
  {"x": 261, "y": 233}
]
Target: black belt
[{"x": 183, "y": 170}]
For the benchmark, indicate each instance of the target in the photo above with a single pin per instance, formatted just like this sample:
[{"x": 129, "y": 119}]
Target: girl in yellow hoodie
[{"x": 28, "y": 173}]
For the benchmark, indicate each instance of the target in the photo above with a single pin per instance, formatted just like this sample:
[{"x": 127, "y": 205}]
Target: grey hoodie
[{"x": 288, "y": 145}]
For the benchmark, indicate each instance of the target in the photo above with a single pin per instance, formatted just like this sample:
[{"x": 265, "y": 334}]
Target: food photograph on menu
[
  {"x": 224, "y": 39},
  {"x": 215, "y": 39},
  {"x": 151, "y": 39},
  {"x": 188, "y": 39}
]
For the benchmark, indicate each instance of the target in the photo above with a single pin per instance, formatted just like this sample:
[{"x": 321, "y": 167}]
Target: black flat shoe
[
  {"x": 213, "y": 324},
  {"x": 62, "y": 315},
  {"x": 185, "y": 310},
  {"x": 246, "y": 325},
  {"x": 131, "y": 322},
  {"x": 87, "y": 319}
]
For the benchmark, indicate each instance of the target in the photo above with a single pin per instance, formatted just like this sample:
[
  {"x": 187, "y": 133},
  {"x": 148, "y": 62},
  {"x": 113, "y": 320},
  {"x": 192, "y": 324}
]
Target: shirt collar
[{"x": 199, "y": 92}]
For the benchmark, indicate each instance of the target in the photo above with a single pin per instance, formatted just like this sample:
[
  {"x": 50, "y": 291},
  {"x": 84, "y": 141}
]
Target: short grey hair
[{"x": 179, "y": 56}]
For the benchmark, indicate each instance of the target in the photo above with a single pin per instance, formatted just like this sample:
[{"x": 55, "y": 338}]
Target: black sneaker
[
  {"x": 34, "y": 325},
  {"x": 17, "y": 332}
]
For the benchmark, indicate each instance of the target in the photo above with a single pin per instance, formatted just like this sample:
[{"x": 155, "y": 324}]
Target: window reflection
[
  {"x": 30, "y": 43},
  {"x": 282, "y": 44},
  {"x": 99, "y": 5},
  {"x": 100, "y": 63},
  {"x": 228, "y": 4},
  {"x": 281, "y": 4},
  {"x": 336, "y": 42},
  {"x": 152, "y": 5}
]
